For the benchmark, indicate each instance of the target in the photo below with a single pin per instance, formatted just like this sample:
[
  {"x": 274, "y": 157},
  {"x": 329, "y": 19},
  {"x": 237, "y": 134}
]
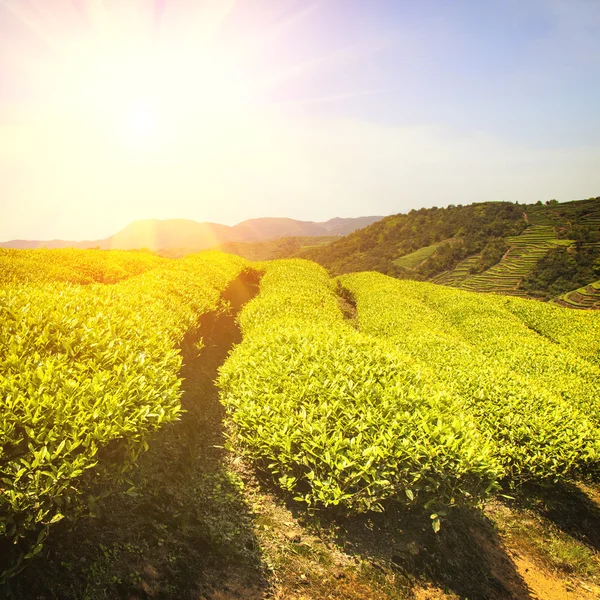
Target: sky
[{"x": 222, "y": 110}]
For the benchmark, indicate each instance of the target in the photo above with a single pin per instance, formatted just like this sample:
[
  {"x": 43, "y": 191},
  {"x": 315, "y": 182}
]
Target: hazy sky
[{"x": 223, "y": 110}]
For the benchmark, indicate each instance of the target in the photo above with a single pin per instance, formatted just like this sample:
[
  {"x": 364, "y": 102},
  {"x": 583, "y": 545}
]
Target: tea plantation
[{"x": 355, "y": 395}]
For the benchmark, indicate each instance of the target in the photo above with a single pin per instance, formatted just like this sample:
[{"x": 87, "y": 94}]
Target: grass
[{"x": 414, "y": 259}]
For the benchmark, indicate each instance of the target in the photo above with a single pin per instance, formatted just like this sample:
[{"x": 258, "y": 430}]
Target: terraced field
[
  {"x": 585, "y": 297},
  {"x": 546, "y": 224},
  {"x": 583, "y": 211},
  {"x": 459, "y": 274},
  {"x": 506, "y": 276},
  {"x": 593, "y": 217},
  {"x": 412, "y": 260}
]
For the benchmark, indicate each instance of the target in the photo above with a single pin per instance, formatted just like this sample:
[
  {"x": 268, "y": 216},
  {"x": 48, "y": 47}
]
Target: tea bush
[
  {"x": 338, "y": 418},
  {"x": 88, "y": 373},
  {"x": 74, "y": 265},
  {"x": 533, "y": 398}
]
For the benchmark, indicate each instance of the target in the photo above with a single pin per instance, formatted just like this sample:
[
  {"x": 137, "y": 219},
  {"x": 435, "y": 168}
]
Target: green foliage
[
  {"x": 564, "y": 269},
  {"x": 585, "y": 297},
  {"x": 88, "y": 373},
  {"x": 74, "y": 266},
  {"x": 576, "y": 331},
  {"x": 535, "y": 398},
  {"x": 338, "y": 418},
  {"x": 416, "y": 258},
  {"x": 491, "y": 255},
  {"x": 507, "y": 274},
  {"x": 377, "y": 247},
  {"x": 491, "y": 247}
]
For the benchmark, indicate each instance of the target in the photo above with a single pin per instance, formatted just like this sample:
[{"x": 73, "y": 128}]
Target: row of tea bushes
[
  {"x": 577, "y": 331},
  {"x": 88, "y": 373},
  {"x": 74, "y": 266},
  {"x": 338, "y": 418},
  {"x": 532, "y": 397}
]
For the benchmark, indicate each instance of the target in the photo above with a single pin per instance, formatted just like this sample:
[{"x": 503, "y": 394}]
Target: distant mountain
[
  {"x": 339, "y": 226},
  {"x": 263, "y": 230},
  {"x": 32, "y": 244},
  {"x": 536, "y": 250},
  {"x": 287, "y": 247},
  {"x": 193, "y": 236},
  {"x": 155, "y": 235},
  {"x": 266, "y": 229}
]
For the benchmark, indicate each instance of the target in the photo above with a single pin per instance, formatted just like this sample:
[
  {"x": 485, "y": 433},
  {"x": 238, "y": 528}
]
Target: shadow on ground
[
  {"x": 398, "y": 555},
  {"x": 567, "y": 506},
  {"x": 183, "y": 530},
  {"x": 466, "y": 558}
]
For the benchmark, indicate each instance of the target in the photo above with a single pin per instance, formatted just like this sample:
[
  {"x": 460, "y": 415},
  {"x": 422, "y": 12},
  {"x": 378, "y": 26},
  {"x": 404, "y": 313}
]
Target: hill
[
  {"x": 192, "y": 236},
  {"x": 587, "y": 296},
  {"x": 280, "y": 248},
  {"x": 536, "y": 250},
  {"x": 285, "y": 247},
  {"x": 239, "y": 430}
]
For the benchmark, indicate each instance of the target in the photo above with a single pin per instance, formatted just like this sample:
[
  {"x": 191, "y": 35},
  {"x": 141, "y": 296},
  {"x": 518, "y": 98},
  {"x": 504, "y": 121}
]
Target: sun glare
[
  {"x": 141, "y": 100},
  {"x": 132, "y": 89},
  {"x": 142, "y": 123}
]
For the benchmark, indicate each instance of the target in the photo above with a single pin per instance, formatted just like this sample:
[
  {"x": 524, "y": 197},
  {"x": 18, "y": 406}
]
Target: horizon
[
  {"x": 275, "y": 218},
  {"x": 114, "y": 112},
  {"x": 194, "y": 221}
]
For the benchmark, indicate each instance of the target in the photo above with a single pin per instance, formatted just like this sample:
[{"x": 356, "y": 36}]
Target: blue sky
[
  {"x": 112, "y": 111},
  {"x": 527, "y": 70}
]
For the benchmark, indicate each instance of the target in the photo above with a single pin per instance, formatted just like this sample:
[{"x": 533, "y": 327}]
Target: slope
[
  {"x": 505, "y": 277},
  {"x": 538, "y": 250},
  {"x": 584, "y": 297},
  {"x": 191, "y": 235}
]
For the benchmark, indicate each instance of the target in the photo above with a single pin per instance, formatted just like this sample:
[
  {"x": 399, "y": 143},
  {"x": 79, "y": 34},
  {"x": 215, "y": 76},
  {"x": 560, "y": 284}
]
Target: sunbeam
[{"x": 214, "y": 104}]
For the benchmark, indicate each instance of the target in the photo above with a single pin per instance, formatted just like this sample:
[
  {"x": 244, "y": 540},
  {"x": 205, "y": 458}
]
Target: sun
[
  {"x": 151, "y": 75},
  {"x": 142, "y": 122},
  {"x": 134, "y": 92},
  {"x": 144, "y": 100}
]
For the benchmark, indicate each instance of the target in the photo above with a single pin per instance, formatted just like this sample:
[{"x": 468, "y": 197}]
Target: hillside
[
  {"x": 523, "y": 253},
  {"x": 286, "y": 247},
  {"x": 285, "y": 434},
  {"x": 587, "y": 296},
  {"x": 537, "y": 250},
  {"x": 191, "y": 236}
]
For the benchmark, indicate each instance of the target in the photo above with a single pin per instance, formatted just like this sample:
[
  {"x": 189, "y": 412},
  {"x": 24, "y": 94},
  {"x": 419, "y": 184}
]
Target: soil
[
  {"x": 544, "y": 585},
  {"x": 199, "y": 523}
]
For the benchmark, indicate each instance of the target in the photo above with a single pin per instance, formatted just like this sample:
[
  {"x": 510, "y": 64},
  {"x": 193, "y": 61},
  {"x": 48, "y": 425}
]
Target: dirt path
[
  {"x": 182, "y": 528},
  {"x": 197, "y": 523},
  {"x": 544, "y": 585}
]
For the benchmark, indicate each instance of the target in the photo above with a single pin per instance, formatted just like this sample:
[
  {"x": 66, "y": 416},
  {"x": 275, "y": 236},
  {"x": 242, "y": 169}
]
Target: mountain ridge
[{"x": 159, "y": 234}]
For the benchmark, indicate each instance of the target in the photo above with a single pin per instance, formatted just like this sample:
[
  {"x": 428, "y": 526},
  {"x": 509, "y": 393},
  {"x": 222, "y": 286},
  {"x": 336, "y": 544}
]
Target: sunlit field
[
  {"x": 345, "y": 400},
  {"x": 299, "y": 300}
]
